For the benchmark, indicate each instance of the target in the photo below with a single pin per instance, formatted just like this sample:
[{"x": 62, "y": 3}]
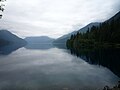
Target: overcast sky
[{"x": 54, "y": 18}]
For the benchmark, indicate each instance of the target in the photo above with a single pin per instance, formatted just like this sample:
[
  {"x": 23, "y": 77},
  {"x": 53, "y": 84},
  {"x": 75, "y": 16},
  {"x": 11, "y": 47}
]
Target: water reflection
[
  {"x": 39, "y": 46},
  {"x": 8, "y": 49},
  {"x": 44, "y": 46},
  {"x": 51, "y": 69},
  {"x": 107, "y": 57},
  {"x": 60, "y": 46}
]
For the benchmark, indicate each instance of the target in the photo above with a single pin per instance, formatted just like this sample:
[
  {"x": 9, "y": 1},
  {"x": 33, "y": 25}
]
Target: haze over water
[{"x": 51, "y": 68}]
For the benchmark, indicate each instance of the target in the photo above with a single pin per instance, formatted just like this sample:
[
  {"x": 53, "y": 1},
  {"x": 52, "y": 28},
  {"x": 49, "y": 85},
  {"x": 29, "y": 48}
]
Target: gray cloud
[{"x": 55, "y": 17}]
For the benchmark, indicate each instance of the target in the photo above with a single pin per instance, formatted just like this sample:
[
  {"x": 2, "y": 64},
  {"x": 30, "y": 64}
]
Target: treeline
[{"x": 105, "y": 34}]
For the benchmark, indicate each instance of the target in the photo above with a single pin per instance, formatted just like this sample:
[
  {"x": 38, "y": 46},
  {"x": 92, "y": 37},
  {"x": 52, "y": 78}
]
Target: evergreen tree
[{"x": 107, "y": 32}]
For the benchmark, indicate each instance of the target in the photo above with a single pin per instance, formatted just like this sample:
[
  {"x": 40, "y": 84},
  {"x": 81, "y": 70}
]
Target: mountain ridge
[
  {"x": 39, "y": 39},
  {"x": 10, "y": 38},
  {"x": 65, "y": 37}
]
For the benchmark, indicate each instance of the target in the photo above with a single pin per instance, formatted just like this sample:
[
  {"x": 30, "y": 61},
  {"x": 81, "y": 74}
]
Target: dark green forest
[{"x": 106, "y": 34}]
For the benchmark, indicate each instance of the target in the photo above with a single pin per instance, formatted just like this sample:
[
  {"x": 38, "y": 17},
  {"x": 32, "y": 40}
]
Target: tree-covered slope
[
  {"x": 64, "y": 38},
  {"x": 107, "y": 32}
]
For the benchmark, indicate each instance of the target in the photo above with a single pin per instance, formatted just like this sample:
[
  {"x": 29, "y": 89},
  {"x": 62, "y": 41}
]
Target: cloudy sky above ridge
[{"x": 54, "y": 18}]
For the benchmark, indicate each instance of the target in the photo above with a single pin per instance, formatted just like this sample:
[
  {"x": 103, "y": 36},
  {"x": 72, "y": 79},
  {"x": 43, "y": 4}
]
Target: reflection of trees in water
[{"x": 107, "y": 57}]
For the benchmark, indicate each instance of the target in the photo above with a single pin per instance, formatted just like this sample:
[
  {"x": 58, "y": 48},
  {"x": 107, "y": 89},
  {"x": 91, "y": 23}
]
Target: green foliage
[{"x": 107, "y": 33}]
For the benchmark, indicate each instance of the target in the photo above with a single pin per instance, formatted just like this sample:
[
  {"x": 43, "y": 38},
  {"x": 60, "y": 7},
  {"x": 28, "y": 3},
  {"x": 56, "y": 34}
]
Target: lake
[{"x": 48, "y": 67}]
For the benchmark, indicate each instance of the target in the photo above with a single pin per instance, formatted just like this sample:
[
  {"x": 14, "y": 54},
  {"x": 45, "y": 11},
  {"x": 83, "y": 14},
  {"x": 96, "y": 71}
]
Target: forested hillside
[{"x": 108, "y": 33}]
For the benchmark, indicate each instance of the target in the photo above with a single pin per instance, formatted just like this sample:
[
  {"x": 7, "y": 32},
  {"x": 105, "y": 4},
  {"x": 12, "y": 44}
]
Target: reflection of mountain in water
[
  {"x": 108, "y": 57},
  {"x": 42, "y": 43},
  {"x": 10, "y": 42},
  {"x": 44, "y": 46},
  {"x": 39, "y": 39},
  {"x": 39, "y": 42},
  {"x": 39, "y": 46},
  {"x": 8, "y": 49}
]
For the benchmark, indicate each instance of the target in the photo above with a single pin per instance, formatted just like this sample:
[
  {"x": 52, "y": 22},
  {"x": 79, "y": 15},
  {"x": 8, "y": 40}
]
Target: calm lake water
[{"x": 46, "y": 67}]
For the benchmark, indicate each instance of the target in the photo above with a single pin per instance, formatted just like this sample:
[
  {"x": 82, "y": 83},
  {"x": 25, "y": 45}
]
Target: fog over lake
[{"x": 51, "y": 68}]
